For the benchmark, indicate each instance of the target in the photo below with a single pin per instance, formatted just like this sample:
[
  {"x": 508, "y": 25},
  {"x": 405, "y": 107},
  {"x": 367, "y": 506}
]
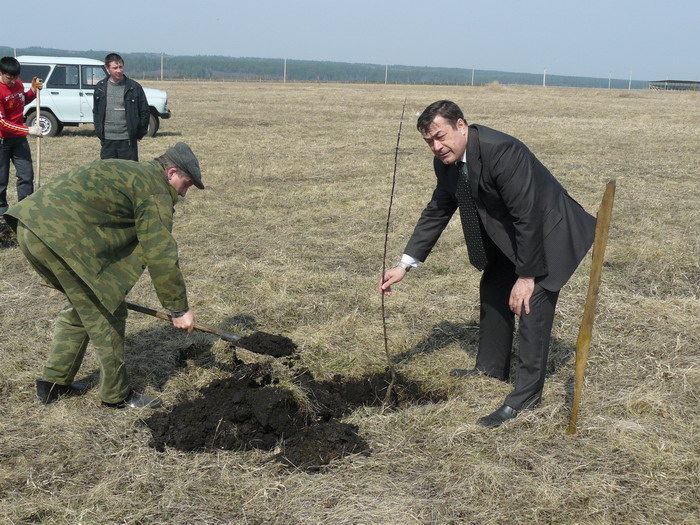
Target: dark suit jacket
[{"x": 524, "y": 210}]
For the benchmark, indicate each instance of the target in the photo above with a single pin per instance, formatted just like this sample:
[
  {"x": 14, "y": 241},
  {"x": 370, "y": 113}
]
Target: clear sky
[{"x": 647, "y": 39}]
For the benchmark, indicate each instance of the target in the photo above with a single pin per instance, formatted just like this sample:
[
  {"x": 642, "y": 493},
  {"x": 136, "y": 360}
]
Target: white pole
[
  {"x": 544, "y": 78},
  {"x": 629, "y": 86},
  {"x": 386, "y": 73},
  {"x": 472, "y": 75},
  {"x": 609, "y": 79}
]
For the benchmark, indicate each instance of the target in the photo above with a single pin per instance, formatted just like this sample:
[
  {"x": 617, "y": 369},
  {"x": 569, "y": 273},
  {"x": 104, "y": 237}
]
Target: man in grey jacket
[{"x": 120, "y": 112}]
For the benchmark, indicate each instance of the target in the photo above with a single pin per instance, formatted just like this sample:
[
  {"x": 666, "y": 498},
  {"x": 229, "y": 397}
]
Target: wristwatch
[{"x": 404, "y": 265}]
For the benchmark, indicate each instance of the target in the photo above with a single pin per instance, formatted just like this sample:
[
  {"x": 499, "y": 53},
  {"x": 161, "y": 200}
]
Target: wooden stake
[{"x": 585, "y": 330}]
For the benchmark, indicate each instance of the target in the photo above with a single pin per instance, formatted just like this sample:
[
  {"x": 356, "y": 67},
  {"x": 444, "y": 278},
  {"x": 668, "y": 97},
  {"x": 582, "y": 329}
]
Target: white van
[{"x": 66, "y": 99}]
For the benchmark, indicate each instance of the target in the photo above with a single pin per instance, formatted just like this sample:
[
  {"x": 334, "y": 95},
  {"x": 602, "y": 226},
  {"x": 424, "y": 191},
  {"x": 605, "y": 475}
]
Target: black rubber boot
[{"x": 50, "y": 392}]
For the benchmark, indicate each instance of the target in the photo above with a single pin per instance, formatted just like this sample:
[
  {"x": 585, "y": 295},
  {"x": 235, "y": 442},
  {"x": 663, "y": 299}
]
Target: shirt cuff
[{"x": 410, "y": 260}]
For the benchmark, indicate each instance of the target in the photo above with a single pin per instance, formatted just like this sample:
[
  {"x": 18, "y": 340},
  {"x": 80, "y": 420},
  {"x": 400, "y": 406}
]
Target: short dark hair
[
  {"x": 113, "y": 57},
  {"x": 443, "y": 108},
  {"x": 10, "y": 66},
  {"x": 166, "y": 162}
]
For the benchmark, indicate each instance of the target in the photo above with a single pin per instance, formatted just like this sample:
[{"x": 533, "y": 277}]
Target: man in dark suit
[{"x": 521, "y": 227}]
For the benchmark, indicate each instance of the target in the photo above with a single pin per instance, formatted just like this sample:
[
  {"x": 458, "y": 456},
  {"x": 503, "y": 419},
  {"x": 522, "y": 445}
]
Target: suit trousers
[
  {"x": 85, "y": 319},
  {"x": 497, "y": 327}
]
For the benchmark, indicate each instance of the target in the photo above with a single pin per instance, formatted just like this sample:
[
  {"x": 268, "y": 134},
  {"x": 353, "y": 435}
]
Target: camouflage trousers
[{"x": 85, "y": 319}]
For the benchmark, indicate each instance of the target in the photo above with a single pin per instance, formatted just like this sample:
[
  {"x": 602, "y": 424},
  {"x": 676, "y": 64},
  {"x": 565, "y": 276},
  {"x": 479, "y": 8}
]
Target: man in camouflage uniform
[{"x": 90, "y": 233}]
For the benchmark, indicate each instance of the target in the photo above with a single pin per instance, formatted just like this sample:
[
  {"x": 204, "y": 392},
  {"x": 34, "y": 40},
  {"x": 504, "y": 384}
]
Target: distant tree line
[{"x": 205, "y": 67}]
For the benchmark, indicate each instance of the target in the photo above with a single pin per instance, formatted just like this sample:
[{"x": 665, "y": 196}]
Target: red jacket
[{"x": 12, "y": 101}]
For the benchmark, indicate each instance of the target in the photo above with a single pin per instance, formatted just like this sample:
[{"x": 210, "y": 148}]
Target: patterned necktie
[{"x": 470, "y": 220}]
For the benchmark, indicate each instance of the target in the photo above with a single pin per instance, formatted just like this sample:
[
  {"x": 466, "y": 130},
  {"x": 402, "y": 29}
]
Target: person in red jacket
[{"x": 13, "y": 133}]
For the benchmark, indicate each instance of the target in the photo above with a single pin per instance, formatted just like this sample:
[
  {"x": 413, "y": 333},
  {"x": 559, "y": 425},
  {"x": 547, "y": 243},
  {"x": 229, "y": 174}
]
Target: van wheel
[
  {"x": 49, "y": 124},
  {"x": 153, "y": 125}
]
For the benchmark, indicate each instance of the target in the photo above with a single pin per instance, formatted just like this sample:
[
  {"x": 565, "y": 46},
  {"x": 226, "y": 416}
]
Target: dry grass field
[{"x": 288, "y": 237}]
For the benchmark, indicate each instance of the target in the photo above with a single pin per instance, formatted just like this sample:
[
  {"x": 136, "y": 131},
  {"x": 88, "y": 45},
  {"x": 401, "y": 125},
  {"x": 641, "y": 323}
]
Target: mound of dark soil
[
  {"x": 268, "y": 344},
  {"x": 249, "y": 410}
]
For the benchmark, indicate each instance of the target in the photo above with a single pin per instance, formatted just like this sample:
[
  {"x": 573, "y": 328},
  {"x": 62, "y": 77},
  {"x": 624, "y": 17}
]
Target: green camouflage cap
[{"x": 184, "y": 159}]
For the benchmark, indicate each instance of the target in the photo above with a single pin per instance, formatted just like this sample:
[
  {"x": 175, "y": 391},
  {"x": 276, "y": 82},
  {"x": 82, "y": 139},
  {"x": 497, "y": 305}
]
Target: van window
[
  {"x": 28, "y": 72},
  {"x": 64, "y": 77},
  {"x": 91, "y": 75}
]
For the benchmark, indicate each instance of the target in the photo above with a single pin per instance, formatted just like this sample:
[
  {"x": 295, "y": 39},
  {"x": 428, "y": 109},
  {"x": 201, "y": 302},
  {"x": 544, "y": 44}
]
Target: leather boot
[{"x": 497, "y": 418}]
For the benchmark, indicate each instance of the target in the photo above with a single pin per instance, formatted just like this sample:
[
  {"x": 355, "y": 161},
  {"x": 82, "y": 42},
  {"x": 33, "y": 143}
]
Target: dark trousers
[
  {"x": 16, "y": 150},
  {"x": 120, "y": 149},
  {"x": 497, "y": 326}
]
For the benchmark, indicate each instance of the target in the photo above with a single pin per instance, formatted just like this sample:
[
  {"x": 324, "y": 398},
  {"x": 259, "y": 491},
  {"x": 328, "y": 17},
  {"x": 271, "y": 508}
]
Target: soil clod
[{"x": 268, "y": 344}]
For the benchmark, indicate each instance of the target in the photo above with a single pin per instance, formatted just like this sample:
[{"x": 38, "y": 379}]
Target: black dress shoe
[
  {"x": 50, "y": 392},
  {"x": 497, "y": 418},
  {"x": 136, "y": 400}
]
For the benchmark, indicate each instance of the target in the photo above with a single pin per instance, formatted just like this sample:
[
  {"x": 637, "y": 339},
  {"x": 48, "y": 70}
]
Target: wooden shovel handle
[
  {"x": 226, "y": 336},
  {"x": 37, "y": 177}
]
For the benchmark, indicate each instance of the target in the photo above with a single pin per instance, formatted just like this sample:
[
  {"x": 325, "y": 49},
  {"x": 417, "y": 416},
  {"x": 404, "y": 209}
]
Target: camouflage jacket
[{"x": 108, "y": 221}]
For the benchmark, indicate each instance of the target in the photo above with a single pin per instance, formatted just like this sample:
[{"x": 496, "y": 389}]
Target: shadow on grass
[
  {"x": 466, "y": 335},
  {"x": 154, "y": 355},
  {"x": 157, "y": 353},
  {"x": 441, "y": 335},
  {"x": 77, "y": 132},
  {"x": 90, "y": 132},
  {"x": 569, "y": 394},
  {"x": 8, "y": 239},
  {"x": 168, "y": 134}
]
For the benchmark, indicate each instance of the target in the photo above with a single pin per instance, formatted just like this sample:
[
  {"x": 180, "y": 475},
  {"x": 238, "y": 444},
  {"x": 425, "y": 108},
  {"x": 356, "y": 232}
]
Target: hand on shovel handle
[{"x": 185, "y": 322}]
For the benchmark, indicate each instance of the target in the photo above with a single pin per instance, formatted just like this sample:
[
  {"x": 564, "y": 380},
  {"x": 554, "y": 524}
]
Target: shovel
[
  {"x": 259, "y": 342},
  {"x": 226, "y": 336}
]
